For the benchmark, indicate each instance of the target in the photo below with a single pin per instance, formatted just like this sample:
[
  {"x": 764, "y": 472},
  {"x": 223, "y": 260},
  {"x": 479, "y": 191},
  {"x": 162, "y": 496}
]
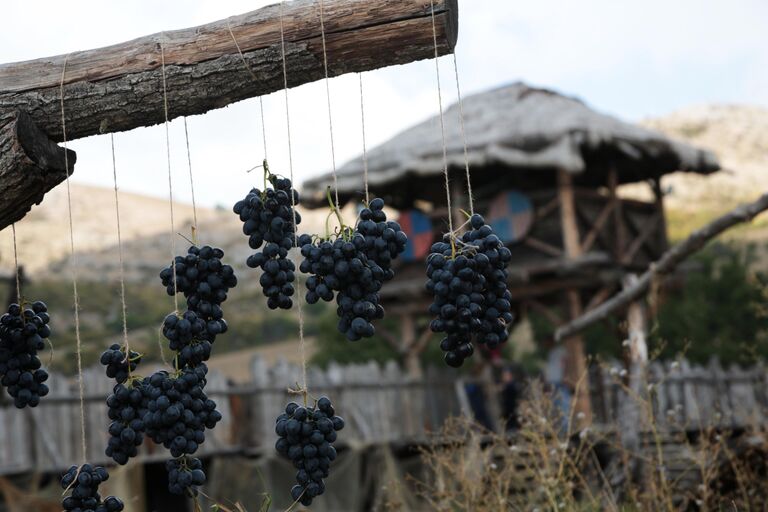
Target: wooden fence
[{"x": 380, "y": 403}]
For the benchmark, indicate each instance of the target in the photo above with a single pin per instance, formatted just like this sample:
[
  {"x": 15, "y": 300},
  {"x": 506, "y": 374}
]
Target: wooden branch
[
  {"x": 119, "y": 88},
  {"x": 666, "y": 264},
  {"x": 597, "y": 226},
  {"x": 30, "y": 165}
]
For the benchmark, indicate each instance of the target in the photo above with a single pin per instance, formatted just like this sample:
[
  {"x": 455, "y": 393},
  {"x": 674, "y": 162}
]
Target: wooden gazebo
[{"x": 567, "y": 162}]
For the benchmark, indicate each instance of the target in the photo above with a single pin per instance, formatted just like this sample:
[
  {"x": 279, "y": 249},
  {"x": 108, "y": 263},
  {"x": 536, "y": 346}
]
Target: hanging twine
[
  {"x": 191, "y": 185},
  {"x": 328, "y": 100},
  {"x": 365, "y": 149},
  {"x": 442, "y": 123},
  {"x": 463, "y": 136},
  {"x": 302, "y": 343},
  {"x": 75, "y": 297},
  {"x": 256, "y": 80},
  {"x": 16, "y": 265},
  {"x": 126, "y": 344},
  {"x": 170, "y": 179}
]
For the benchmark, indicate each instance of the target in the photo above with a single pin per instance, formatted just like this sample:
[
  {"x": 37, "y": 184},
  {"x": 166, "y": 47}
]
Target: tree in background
[{"x": 720, "y": 309}]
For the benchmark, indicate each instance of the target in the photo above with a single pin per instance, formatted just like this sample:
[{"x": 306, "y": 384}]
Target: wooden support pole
[
  {"x": 119, "y": 87},
  {"x": 618, "y": 214},
  {"x": 658, "y": 195},
  {"x": 576, "y": 370}
]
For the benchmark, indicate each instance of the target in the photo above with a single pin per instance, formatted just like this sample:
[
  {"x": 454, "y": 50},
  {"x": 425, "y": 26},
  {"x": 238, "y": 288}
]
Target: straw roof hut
[{"x": 547, "y": 168}]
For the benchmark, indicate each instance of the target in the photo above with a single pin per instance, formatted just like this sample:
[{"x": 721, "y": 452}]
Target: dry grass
[{"x": 543, "y": 467}]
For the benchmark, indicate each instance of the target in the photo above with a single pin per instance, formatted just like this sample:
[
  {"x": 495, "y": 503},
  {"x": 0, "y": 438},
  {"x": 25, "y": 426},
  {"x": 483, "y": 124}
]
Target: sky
[{"x": 633, "y": 60}]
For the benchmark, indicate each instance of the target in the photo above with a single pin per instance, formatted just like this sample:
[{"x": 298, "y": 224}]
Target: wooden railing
[{"x": 380, "y": 403}]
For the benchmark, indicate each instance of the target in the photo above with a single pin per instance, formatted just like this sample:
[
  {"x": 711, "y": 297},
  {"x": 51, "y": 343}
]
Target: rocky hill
[{"x": 738, "y": 134}]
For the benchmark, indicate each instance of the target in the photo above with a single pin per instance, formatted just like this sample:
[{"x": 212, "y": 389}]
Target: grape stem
[{"x": 334, "y": 210}]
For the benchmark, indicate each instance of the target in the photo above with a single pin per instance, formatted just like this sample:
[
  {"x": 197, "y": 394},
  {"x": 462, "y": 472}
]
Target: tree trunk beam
[
  {"x": 30, "y": 165},
  {"x": 665, "y": 265},
  {"x": 119, "y": 88}
]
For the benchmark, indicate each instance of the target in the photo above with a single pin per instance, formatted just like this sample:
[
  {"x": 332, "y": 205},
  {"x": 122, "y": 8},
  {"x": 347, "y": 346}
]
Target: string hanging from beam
[
  {"x": 73, "y": 265},
  {"x": 302, "y": 342},
  {"x": 124, "y": 307},
  {"x": 442, "y": 124},
  {"x": 255, "y": 79},
  {"x": 16, "y": 265},
  {"x": 463, "y": 135},
  {"x": 195, "y": 227},
  {"x": 365, "y": 148},
  {"x": 170, "y": 178},
  {"x": 328, "y": 98}
]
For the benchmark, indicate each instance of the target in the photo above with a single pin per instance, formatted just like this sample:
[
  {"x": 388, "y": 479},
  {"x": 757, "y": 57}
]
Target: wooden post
[
  {"x": 576, "y": 370},
  {"x": 658, "y": 195},
  {"x": 630, "y": 419},
  {"x": 120, "y": 87},
  {"x": 408, "y": 344},
  {"x": 618, "y": 214}
]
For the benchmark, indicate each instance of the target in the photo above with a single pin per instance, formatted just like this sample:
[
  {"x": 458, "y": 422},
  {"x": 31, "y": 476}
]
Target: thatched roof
[{"x": 522, "y": 130}]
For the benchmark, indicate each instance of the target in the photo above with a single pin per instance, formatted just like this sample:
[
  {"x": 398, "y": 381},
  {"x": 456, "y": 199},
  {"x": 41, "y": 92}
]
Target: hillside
[{"x": 738, "y": 134}]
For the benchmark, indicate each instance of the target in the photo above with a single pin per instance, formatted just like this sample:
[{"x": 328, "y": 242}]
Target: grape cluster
[
  {"x": 205, "y": 281},
  {"x": 84, "y": 487},
  {"x": 268, "y": 220},
  {"x": 118, "y": 366},
  {"x": 200, "y": 276},
  {"x": 306, "y": 437},
  {"x": 126, "y": 407},
  {"x": 468, "y": 280},
  {"x": 22, "y": 334},
  {"x": 341, "y": 269},
  {"x": 352, "y": 268},
  {"x": 178, "y": 411},
  {"x": 184, "y": 475},
  {"x": 384, "y": 240}
]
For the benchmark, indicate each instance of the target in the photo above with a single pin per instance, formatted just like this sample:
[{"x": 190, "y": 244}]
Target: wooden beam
[
  {"x": 548, "y": 208},
  {"x": 666, "y": 264},
  {"x": 650, "y": 227},
  {"x": 576, "y": 367},
  {"x": 119, "y": 87},
  {"x": 541, "y": 246},
  {"x": 658, "y": 195}
]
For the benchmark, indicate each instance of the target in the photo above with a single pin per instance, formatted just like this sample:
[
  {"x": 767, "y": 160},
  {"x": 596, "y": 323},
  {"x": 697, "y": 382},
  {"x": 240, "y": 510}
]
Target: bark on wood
[
  {"x": 119, "y": 88},
  {"x": 30, "y": 165},
  {"x": 666, "y": 264}
]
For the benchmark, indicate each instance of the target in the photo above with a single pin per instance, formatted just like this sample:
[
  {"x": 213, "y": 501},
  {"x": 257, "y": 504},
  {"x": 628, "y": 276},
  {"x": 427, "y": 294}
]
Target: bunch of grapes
[
  {"x": 188, "y": 335},
  {"x": 468, "y": 280},
  {"x": 353, "y": 267},
  {"x": 22, "y": 335},
  {"x": 268, "y": 220},
  {"x": 184, "y": 475},
  {"x": 384, "y": 240},
  {"x": 126, "y": 407},
  {"x": 341, "y": 269},
  {"x": 178, "y": 411},
  {"x": 84, "y": 484},
  {"x": 306, "y": 437},
  {"x": 119, "y": 365}
]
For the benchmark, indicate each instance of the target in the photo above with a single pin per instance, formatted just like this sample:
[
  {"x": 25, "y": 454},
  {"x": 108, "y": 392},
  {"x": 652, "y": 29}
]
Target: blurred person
[
  {"x": 554, "y": 377},
  {"x": 511, "y": 390}
]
